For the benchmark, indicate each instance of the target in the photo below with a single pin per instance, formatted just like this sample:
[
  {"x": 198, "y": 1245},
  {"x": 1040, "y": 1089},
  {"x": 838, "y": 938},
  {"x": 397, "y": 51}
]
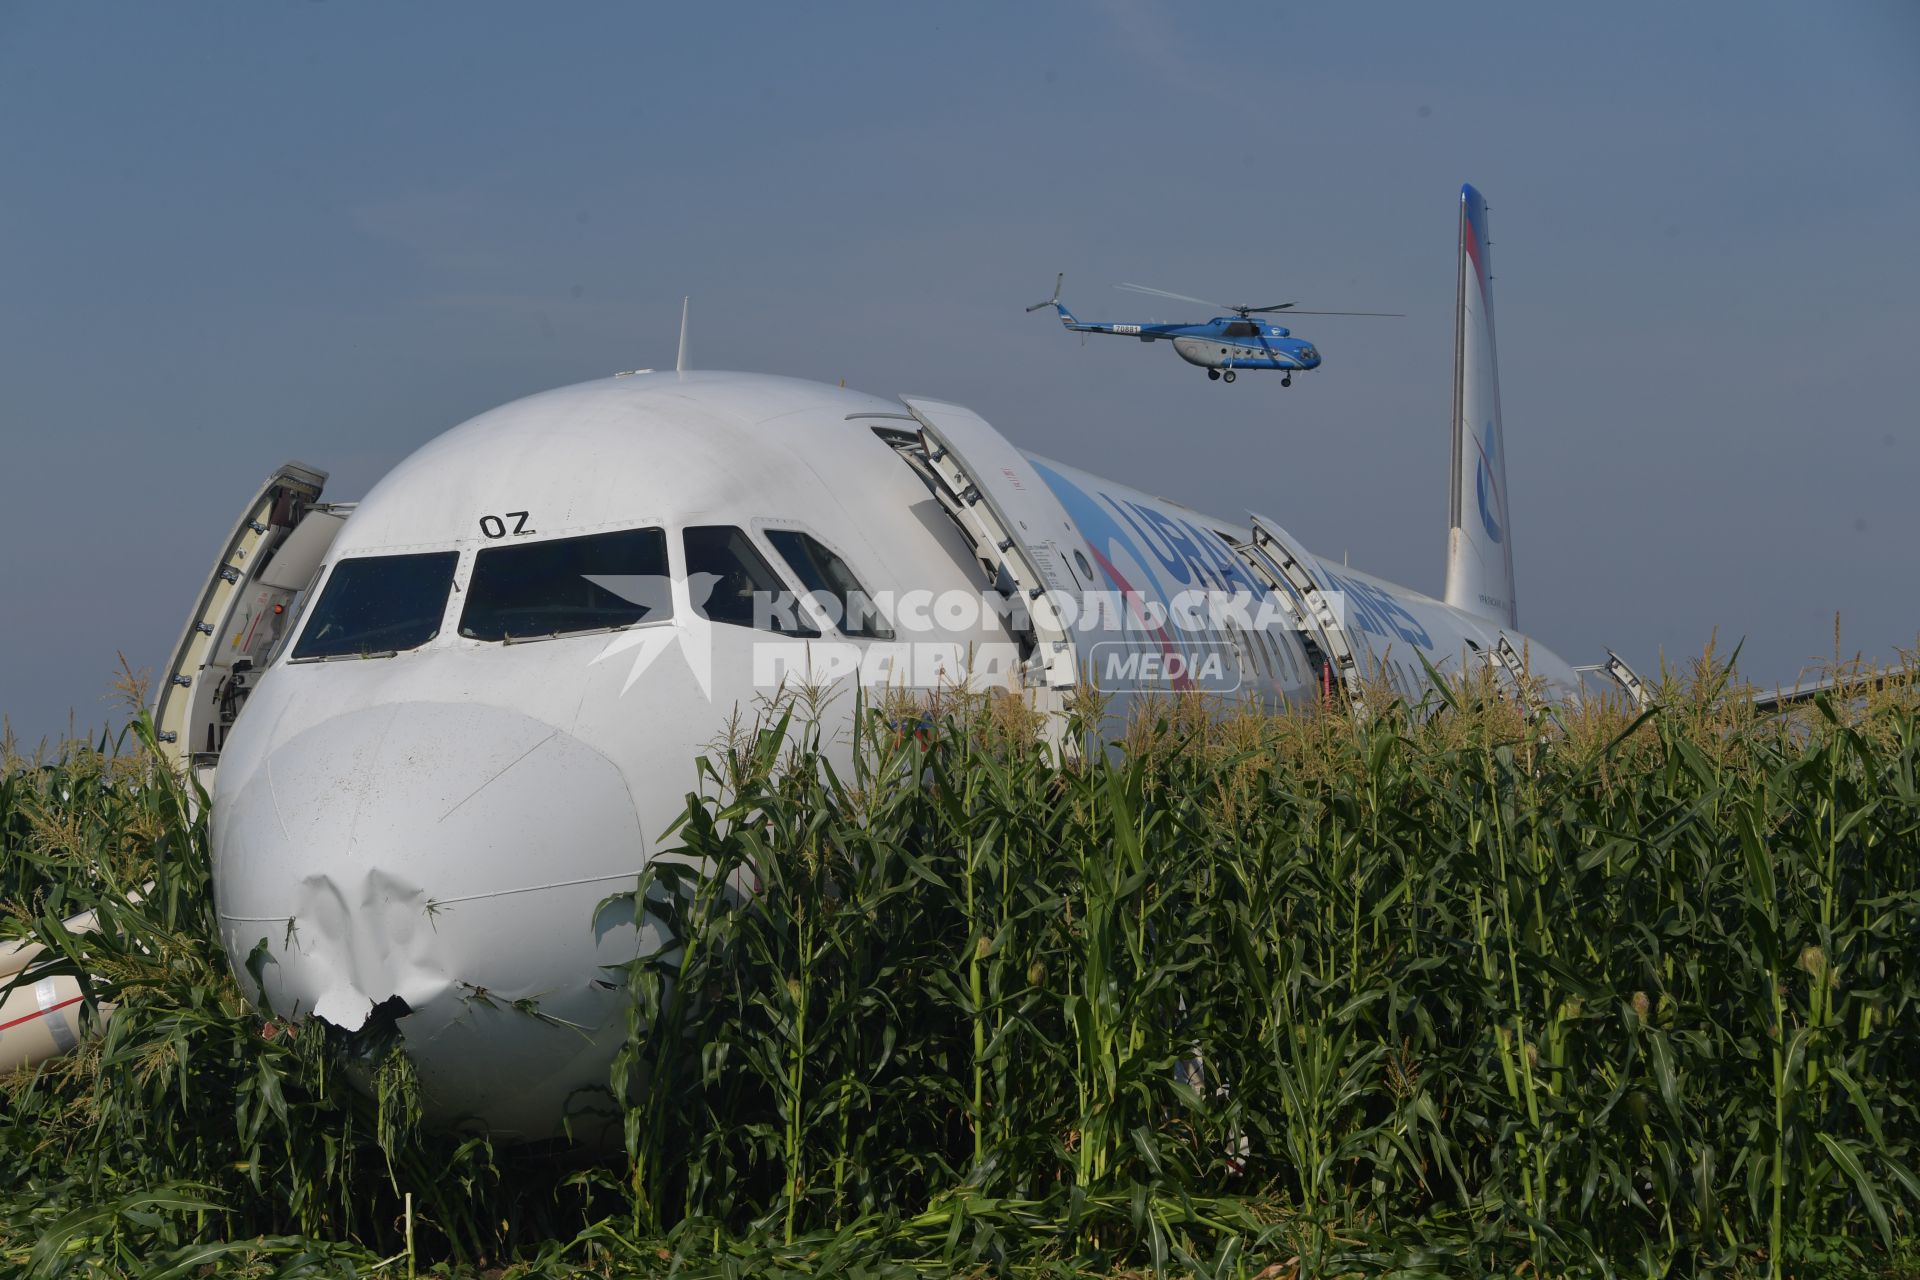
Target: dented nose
[{"x": 442, "y": 862}]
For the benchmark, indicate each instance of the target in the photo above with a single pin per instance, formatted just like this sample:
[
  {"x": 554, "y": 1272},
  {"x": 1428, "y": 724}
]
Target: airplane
[
  {"x": 1223, "y": 345},
  {"x": 441, "y": 725}
]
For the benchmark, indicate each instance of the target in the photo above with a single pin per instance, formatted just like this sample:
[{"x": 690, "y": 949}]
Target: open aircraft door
[
  {"x": 1018, "y": 529},
  {"x": 249, "y": 602},
  {"x": 1282, "y": 564}
]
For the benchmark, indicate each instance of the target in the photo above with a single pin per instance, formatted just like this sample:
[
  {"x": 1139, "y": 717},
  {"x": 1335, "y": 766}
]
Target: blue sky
[{"x": 235, "y": 234}]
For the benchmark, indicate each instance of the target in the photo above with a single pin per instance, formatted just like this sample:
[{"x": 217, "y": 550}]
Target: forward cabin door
[
  {"x": 247, "y": 604},
  {"x": 1017, "y": 528}
]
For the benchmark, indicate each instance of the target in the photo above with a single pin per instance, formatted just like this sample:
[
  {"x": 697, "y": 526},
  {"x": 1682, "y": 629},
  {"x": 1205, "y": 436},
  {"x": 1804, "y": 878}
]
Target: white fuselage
[{"x": 440, "y": 823}]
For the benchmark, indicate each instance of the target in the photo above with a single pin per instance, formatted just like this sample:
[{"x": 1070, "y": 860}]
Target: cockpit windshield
[
  {"x": 375, "y": 605},
  {"x": 730, "y": 581},
  {"x": 533, "y": 590},
  {"x": 831, "y": 584}
]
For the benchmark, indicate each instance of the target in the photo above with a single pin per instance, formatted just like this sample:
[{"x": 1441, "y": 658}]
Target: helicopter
[{"x": 1223, "y": 345}]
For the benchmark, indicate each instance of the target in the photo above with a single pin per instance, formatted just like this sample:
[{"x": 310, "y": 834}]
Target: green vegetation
[{"x": 1450, "y": 993}]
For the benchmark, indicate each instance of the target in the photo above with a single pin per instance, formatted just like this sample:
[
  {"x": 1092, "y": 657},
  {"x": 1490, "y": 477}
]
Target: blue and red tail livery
[{"x": 1479, "y": 546}]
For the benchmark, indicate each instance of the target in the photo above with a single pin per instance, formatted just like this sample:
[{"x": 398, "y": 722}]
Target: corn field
[{"x": 1443, "y": 991}]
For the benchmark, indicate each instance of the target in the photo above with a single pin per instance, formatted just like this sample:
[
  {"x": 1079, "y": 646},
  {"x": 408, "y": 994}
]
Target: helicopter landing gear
[
  {"x": 1229, "y": 376},
  {"x": 1213, "y": 375},
  {"x": 1286, "y": 379}
]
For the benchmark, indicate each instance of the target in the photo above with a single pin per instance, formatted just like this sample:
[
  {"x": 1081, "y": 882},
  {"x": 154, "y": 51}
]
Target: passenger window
[
  {"x": 1253, "y": 658},
  {"x": 378, "y": 605},
  {"x": 533, "y": 590},
  {"x": 1284, "y": 649},
  {"x": 831, "y": 584},
  {"x": 731, "y": 582}
]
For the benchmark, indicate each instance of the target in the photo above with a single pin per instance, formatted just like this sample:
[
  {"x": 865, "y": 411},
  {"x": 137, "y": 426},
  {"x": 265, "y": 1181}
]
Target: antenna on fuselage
[{"x": 680, "y": 364}]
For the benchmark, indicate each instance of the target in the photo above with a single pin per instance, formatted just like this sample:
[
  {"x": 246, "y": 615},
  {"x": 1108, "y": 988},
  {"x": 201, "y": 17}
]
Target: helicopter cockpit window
[
  {"x": 378, "y": 605},
  {"x": 533, "y": 590},
  {"x": 831, "y": 584},
  {"x": 1243, "y": 329},
  {"x": 730, "y": 581}
]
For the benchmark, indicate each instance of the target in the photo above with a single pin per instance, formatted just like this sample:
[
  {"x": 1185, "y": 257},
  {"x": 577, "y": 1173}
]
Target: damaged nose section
[
  {"x": 362, "y": 952},
  {"x": 440, "y": 864}
]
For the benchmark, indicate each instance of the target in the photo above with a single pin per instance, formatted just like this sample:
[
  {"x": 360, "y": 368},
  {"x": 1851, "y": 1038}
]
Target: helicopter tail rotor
[{"x": 1054, "y": 301}]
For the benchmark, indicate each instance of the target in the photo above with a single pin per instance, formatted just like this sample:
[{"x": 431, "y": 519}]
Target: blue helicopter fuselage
[{"x": 1224, "y": 342}]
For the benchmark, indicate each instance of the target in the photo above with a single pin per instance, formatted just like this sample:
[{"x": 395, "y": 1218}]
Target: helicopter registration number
[{"x": 1126, "y": 328}]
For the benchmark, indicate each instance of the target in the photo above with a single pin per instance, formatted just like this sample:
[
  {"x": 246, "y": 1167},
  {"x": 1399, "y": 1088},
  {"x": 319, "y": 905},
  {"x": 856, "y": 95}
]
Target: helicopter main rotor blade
[
  {"x": 1287, "y": 307},
  {"x": 1178, "y": 297}
]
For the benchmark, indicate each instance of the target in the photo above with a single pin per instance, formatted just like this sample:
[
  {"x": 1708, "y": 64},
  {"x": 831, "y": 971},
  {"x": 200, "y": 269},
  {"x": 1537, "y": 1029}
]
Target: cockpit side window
[
  {"x": 378, "y": 605},
  {"x": 599, "y": 582},
  {"x": 831, "y": 584},
  {"x": 731, "y": 582}
]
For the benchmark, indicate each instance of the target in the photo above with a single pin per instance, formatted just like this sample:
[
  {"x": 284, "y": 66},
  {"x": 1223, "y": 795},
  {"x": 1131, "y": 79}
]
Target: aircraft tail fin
[
  {"x": 1480, "y": 534},
  {"x": 1066, "y": 316}
]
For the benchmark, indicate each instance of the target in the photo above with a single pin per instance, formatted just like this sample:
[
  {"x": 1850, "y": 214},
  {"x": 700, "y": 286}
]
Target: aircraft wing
[{"x": 1807, "y": 690}]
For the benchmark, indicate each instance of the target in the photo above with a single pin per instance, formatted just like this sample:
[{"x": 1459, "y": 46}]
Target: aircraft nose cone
[{"x": 452, "y": 856}]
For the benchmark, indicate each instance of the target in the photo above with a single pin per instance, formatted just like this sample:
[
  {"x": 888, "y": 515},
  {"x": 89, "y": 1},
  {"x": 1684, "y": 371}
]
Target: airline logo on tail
[{"x": 1485, "y": 485}]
